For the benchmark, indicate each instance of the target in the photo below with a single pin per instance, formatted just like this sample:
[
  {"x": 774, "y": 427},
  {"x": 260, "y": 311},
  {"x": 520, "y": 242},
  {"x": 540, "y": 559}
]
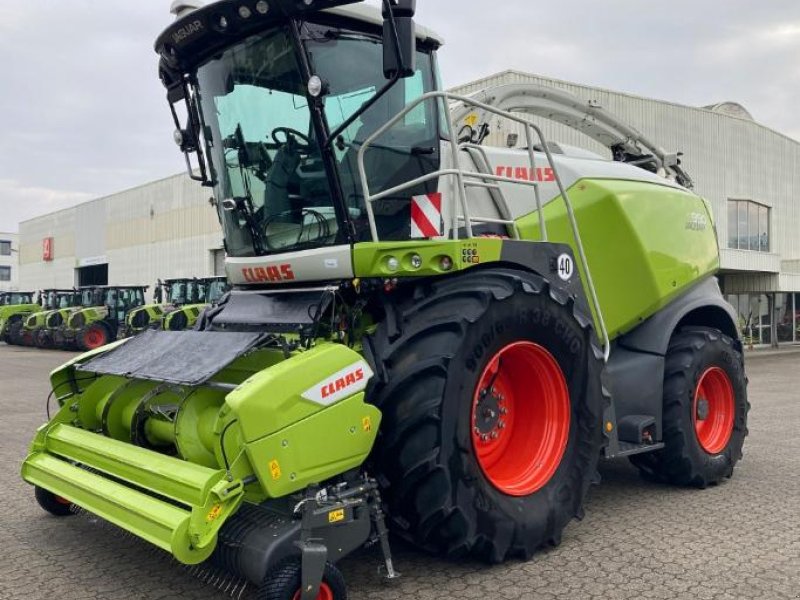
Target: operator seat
[
  {"x": 388, "y": 163},
  {"x": 276, "y": 192}
]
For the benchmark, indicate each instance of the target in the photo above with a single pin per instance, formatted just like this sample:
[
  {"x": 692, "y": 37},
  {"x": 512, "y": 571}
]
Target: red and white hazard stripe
[{"x": 426, "y": 216}]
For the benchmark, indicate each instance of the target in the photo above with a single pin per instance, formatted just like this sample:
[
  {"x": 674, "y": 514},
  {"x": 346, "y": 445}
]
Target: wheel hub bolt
[{"x": 702, "y": 409}]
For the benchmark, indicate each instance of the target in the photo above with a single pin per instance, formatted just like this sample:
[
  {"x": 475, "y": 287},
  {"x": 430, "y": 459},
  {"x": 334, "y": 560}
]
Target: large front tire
[
  {"x": 449, "y": 360},
  {"x": 705, "y": 411},
  {"x": 13, "y": 335}
]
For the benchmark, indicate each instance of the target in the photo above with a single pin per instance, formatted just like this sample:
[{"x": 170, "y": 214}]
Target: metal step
[{"x": 629, "y": 449}]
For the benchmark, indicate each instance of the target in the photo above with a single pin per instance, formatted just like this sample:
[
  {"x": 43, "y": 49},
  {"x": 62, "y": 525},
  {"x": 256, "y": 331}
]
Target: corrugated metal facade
[
  {"x": 728, "y": 157},
  {"x": 163, "y": 229}
]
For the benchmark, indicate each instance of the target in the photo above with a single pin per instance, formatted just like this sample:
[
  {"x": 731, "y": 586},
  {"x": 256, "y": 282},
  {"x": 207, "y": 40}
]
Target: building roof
[{"x": 732, "y": 109}]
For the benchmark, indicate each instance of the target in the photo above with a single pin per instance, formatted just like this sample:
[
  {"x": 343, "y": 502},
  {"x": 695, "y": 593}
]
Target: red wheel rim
[
  {"x": 713, "y": 410},
  {"x": 325, "y": 593},
  {"x": 520, "y": 419},
  {"x": 94, "y": 338}
]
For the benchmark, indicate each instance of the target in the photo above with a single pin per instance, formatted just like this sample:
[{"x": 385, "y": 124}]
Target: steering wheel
[{"x": 290, "y": 134}]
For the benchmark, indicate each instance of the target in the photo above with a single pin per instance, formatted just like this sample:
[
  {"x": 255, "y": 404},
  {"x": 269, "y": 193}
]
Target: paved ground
[{"x": 738, "y": 541}]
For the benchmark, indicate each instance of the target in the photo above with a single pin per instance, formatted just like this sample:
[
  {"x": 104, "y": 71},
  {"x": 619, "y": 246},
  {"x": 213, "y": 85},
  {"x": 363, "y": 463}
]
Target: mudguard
[{"x": 703, "y": 306}]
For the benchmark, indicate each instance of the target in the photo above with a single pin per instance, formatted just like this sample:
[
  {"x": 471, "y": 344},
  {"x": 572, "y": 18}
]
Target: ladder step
[{"x": 629, "y": 449}]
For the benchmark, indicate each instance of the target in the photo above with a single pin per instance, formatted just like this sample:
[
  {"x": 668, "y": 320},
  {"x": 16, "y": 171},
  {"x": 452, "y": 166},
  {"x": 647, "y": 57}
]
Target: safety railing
[{"x": 490, "y": 181}]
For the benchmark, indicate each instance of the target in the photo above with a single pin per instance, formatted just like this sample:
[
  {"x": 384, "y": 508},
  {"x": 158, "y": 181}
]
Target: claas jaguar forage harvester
[{"x": 426, "y": 333}]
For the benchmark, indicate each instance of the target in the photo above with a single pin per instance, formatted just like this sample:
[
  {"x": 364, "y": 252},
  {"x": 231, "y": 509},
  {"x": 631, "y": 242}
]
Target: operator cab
[{"x": 278, "y": 105}]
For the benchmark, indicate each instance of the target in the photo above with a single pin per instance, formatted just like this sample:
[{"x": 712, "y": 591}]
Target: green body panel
[
  {"x": 154, "y": 312},
  {"x": 13, "y": 311},
  {"x": 42, "y": 318},
  {"x": 91, "y": 315},
  {"x": 645, "y": 244},
  {"x": 192, "y": 312},
  {"x": 36, "y": 320},
  {"x": 331, "y": 441},
  {"x": 272, "y": 399},
  {"x": 371, "y": 259}
]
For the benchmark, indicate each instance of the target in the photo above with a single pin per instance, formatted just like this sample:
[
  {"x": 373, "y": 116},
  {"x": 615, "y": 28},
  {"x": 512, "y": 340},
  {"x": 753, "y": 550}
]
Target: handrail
[{"x": 461, "y": 175}]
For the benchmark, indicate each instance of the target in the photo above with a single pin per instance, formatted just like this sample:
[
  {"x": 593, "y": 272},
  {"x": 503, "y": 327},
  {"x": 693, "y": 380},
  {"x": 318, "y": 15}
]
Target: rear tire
[
  {"x": 283, "y": 583},
  {"x": 431, "y": 355},
  {"x": 94, "y": 336},
  {"x": 53, "y": 504},
  {"x": 705, "y": 411}
]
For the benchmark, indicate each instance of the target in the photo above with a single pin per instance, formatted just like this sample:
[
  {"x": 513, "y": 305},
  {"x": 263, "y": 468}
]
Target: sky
[{"x": 82, "y": 113}]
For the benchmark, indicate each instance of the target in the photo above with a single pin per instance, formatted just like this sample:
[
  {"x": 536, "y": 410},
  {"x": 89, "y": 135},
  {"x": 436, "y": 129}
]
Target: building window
[
  {"x": 748, "y": 226},
  {"x": 5, "y": 273},
  {"x": 5, "y": 248}
]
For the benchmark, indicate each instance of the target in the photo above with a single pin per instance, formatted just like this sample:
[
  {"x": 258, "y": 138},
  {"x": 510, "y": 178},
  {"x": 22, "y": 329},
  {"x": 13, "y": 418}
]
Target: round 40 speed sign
[{"x": 565, "y": 267}]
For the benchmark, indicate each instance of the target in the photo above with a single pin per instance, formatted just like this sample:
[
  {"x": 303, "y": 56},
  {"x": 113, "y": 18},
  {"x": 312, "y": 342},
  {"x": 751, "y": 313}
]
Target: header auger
[{"x": 418, "y": 338}]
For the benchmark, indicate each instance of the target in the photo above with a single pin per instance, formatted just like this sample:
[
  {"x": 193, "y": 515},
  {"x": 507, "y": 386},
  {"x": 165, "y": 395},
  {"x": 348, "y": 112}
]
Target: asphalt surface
[{"x": 739, "y": 540}]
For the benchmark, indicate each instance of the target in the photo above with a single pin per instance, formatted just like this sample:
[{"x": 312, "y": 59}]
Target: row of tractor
[{"x": 89, "y": 317}]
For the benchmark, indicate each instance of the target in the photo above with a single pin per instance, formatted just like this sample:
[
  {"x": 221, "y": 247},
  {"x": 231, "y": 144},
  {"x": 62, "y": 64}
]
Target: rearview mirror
[{"x": 399, "y": 38}]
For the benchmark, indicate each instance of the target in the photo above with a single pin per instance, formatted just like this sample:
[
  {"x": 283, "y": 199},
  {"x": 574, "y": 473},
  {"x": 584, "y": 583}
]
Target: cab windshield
[
  {"x": 177, "y": 292},
  {"x": 272, "y": 185},
  {"x": 216, "y": 290},
  {"x": 50, "y": 300},
  {"x": 14, "y": 298},
  {"x": 90, "y": 298}
]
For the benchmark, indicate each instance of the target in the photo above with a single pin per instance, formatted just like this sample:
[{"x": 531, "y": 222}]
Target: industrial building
[
  {"x": 163, "y": 229},
  {"x": 9, "y": 262},
  {"x": 750, "y": 174}
]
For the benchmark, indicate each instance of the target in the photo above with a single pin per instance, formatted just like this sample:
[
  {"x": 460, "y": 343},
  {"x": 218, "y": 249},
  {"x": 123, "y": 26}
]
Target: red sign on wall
[{"x": 47, "y": 249}]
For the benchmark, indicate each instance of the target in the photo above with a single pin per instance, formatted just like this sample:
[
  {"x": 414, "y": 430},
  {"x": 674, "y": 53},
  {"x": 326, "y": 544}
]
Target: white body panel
[
  {"x": 520, "y": 199},
  {"x": 320, "y": 264}
]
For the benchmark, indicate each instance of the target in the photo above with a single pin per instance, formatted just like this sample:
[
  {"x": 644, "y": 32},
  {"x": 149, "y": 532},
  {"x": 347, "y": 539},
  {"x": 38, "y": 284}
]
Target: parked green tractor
[
  {"x": 426, "y": 333},
  {"x": 169, "y": 296},
  {"x": 100, "y": 317},
  {"x": 58, "y": 306},
  {"x": 14, "y": 309},
  {"x": 209, "y": 292}
]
